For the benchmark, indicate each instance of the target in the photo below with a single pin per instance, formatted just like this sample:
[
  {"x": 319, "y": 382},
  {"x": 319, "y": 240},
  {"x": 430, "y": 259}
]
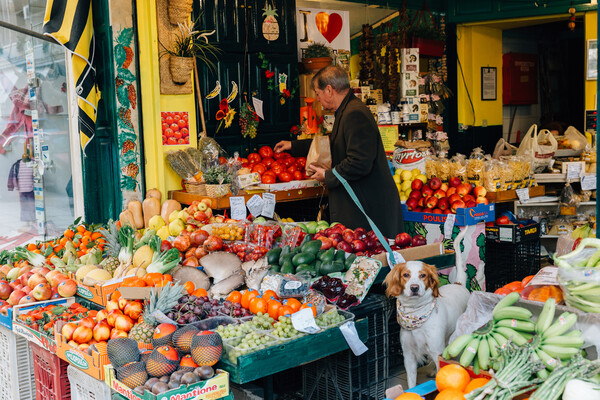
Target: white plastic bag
[
  {"x": 575, "y": 139},
  {"x": 503, "y": 148},
  {"x": 539, "y": 146}
]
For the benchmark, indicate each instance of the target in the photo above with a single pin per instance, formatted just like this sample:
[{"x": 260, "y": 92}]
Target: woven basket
[
  {"x": 196, "y": 188},
  {"x": 179, "y": 11},
  {"x": 181, "y": 68},
  {"x": 217, "y": 190}
]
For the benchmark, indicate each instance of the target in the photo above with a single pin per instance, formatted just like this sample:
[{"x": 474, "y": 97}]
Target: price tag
[
  {"x": 397, "y": 258},
  {"x": 588, "y": 182},
  {"x": 258, "y": 107},
  {"x": 268, "y": 208},
  {"x": 523, "y": 195},
  {"x": 304, "y": 321},
  {"x": 351, "y": 336},
  {"x": 449, "y": 225},
  {"x": 238, "y": 207},
  {"x": 255, "y": 205},
  {"x": 573, "y": 171}
]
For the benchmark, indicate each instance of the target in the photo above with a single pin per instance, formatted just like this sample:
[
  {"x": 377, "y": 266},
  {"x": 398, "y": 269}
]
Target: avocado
[
  {"x": 303, "y": 258},
  {"x": 273, "y": 255},
  {"x": 312, "y": 247}
]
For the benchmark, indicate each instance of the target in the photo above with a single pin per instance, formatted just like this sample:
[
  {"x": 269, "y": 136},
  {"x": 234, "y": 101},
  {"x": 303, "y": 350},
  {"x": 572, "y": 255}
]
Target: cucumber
[
  {"x": 340, "y": 255},
  {"x": 303, "y": 258},
  {"x": 306, "y": 268},
  {"x": 328, "y": 255},
  {"x": 349, "y": 261},
  {"x": 273, "y": 255},
  {"x": 312, "y": 247},
  {"x": 287, "y": 267}
]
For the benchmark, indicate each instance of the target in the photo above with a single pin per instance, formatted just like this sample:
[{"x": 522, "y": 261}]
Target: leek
[
  {"x": 37, "y": 260},
  {"x": 164, "y": 261}
]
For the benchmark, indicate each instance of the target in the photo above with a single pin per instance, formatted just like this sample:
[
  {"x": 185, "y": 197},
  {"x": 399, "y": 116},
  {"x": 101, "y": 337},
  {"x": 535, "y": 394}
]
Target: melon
[
  {"x": 182, "y": 338},
  {"x": 207, "y": 348},
  {"x": 163, "y": 335},
  {"x": 133, "y": 374},
  {"x": 122, "y": 351},
  {"x": 96, "y": 276},
  {"x": 83, "y": 271}
]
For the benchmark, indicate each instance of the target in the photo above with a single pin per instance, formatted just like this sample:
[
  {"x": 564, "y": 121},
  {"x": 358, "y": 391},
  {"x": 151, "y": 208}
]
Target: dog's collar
[{"x": 410, "y": 319}]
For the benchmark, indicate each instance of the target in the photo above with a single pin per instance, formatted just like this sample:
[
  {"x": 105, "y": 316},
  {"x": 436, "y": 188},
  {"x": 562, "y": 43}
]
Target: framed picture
[
  {"x": 591, "y": 58},
  {"x": 488, "y": 83}
]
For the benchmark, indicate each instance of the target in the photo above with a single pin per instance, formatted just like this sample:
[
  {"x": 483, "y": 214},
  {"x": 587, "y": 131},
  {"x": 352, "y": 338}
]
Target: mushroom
[{"x": 220, "y": 265}]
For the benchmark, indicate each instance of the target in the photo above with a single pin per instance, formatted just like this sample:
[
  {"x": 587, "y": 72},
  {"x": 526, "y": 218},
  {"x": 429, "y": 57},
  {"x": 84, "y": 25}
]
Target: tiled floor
[{"x": 398, "y": 377}]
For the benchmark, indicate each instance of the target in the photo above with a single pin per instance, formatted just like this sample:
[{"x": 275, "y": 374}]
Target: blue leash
[{"x": 378, "y": 233}]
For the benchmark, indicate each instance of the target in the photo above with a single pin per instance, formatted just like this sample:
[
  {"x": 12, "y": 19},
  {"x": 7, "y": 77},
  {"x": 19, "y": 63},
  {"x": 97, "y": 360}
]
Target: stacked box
[
  {"x": 409, "y": 60},
  {"x": 409, "y": 84},
  {"x": 414, "y": 109}
]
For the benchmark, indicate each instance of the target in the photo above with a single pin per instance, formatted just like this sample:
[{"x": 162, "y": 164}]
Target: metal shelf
[{"x": 583, "y": 203}]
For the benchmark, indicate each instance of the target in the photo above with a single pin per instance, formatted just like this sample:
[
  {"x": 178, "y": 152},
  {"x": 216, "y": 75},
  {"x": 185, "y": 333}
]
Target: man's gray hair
[{"x": 332, "y": 75}]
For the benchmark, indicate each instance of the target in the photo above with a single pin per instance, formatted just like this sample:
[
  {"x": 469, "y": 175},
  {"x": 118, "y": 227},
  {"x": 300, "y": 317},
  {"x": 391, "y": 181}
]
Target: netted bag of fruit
[
  {"x": 491, "y": 175},
  {"x": 458, "y": 167}
]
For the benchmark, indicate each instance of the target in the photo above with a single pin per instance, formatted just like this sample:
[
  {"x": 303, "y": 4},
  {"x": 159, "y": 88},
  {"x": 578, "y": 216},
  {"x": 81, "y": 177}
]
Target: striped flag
[{"x": 69, "y": 22}]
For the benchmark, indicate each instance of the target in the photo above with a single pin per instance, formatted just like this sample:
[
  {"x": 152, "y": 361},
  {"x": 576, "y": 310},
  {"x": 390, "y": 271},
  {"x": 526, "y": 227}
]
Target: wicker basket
[
  {"x": 217, "y": 190},
  {"x": 181, "y": 68},
  {"x": 179, "y": 11},
  {"x": 195, "y": 187}
]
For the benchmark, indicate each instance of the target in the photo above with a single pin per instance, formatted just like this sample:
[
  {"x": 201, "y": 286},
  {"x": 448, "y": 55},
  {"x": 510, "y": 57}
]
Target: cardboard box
[
  {"x": 414, "y": 109},
  {"x": 513, "y": 233},
  {"x": 32, "y": 335},
  {"x": 93, "y": 364},
  {"x": 7, "y": 320},
  {"x": 214, "y": 388},
  {"x": 464, "y": 216},
  {"x": 98, "y": 294},
  {"x": 409, "y": 84},
  {"x": 138, "y": 292},
  {"x": 414, "y": 253},
  {"x": 409, "y": 60},
  {"x": 274, "y": 187},
  {"x": 377, "y": 95}
]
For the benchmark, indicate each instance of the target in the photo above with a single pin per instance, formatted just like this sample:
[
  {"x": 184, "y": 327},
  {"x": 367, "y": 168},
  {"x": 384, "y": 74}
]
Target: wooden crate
[{"x": 511, "y": 195}]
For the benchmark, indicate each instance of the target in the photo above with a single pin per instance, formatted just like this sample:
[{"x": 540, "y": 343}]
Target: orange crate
[{"x": 51, "y": 379}]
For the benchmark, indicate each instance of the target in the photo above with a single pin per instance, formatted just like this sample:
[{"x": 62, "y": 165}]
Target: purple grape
[
  {"x": 197, "y": 310},
  {"x": 213, "y": 313},
  {"x": 227, "y": 303},
  {"x": 192, "y": 298},
  {"x": 214, "y": 302},
  {"x": 237, "y": 305},
  {"x": 181, "y": 321},
  {"x": 237, "y": 313},
  {"x": 182, "y": 300},
  {"x": 205, "y": 298},
  {"x": 207, "y": 306},
  {"x": 185, "y": 308},
  {"x": 193, "y": 318}
]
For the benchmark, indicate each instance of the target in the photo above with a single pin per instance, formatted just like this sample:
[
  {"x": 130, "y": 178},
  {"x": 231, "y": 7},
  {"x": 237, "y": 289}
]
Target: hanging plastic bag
[
  {"x": 503, "y": 148},
  {"x": 540, "y": 146},
  {"x": 573, "y": 139}
]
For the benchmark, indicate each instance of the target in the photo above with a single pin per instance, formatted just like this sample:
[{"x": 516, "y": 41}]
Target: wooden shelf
[
  {"x": 556, "y": 178},
  {"x": 223, "y": 202},
  {"x": 511, "y": 195}
]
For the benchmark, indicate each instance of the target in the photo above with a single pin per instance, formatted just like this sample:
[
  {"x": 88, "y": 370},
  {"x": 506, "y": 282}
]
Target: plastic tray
[
  {"x": 51, "y": 381},
  {"x": 348, "y": 316},
  {"x": 84, "y": 387},
  {"x": 232, "y": 353},
  {"x": 16, "y": 373},
  {"x": 212, "y": 323}
]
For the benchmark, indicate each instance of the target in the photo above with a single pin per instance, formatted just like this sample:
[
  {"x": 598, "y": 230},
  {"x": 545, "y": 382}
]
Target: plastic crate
[
  {"x": 84, "y": 387},
  {"x": 345, "y": 376},
  {"x": 508, "y": 262},
  {"x": 16, "y": 367},
  {"x": 51, "y": 380}
]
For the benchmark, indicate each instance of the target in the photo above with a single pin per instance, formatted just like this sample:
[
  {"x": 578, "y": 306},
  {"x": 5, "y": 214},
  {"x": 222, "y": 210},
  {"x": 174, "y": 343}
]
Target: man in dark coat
[{"x": 357, "y": 155}]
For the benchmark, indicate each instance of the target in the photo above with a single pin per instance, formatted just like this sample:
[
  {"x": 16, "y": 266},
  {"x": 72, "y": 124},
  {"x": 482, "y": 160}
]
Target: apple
[
  {"x": 318, "y": 235},
  {"x": 112, "y": 305},
  {"x": 450, "y": 191},
  {"x": 439, "y": 193},
  {"x": 443, "y": 203},
  {"x": 426, "y": 192},
  {"x": 437, "y": 211},
  {"x": 479, "y": 191},
  {"x": 24, "y": 278},
  {"x": 415, "y": 194},
  {"x": 468, "y": 198},
  {"x": 117, "y": 333},
  {"x": 67, "y": 330},
  {"x": 101, "y": 316},
  {"x": 202, "y": 206},
  {"x": 358, "y": 245},
  {"x": 16, "y": 296},
  {"x": 435, "y": 183},
  {"x": 206, "y": 201},
  {"x": 200, "y": 216},
  {"x": 403, "y": 240},
  {"x": 456, "y": 205},
  {"x": 101, "y": 331},
  {"x": 67, "y": 288},
  {"x": 5, "y": 290},
  {"x": 421, "y": 202},
  {"x": 411, "y": 204},
  {"x": 27, "y": 299},
  {"x": 418, "y": 240},
  {"x": 348, "y": 235},
  {"x": 418, "y": 209},
  {"x": 123, "y": 323},
  {"x": 42, "y": 291},
  {"x": 464, "y": 189},
  {"x": 482, "y": 200},
  {"x": 326, "y": 243},
  {"x": 444, "y": 187},
  {"x": 112, "y": 316},
  {"x": 26, "y": 289},
  {"x": 360, "y": 233},
  {"x": 453, "y": 198},
  {"x": 345, "y": 246},
  {"x": 417, "y": 184},
  {"x": 454, "y": 181},
  {"x": 431, "y": 202},
  {"x": 470, "y": 204}
]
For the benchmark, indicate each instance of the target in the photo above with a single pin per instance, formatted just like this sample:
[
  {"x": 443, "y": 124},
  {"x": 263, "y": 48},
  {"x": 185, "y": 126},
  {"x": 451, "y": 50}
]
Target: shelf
[
  {"x": 506, "y": 196},
  {"x": 556, "y": 178},
  {"x": 554, "y": 203}
]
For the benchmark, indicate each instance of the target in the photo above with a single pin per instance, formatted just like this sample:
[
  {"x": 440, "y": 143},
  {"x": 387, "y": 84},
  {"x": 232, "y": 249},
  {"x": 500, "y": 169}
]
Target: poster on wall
[
  {"x": 175, "y": 128},
  {"x": 329, "y": 27}
]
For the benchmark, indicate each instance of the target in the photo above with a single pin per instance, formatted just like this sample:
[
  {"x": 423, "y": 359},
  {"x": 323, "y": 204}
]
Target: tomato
[
  {"x": 174, "y": 127},
  {"x": 503, "y": 220},
  {"x": 177, "y": 135},
  {"x": 304, "y": 176},
  {"x": 260, "y": 168},
  {"x": 168, "y": 132},
  {"x": 165, "y": 126},
  {"x": 184, "y": 116},
  {"x": 265, "y": 152},
  {"x": 292, "y": 169},
  {"x": 301, "y": 161},
  {"x": 169, "y": 119},
  {"x": 181, "y": 141},
  {"x": 279, "y": 156},
  {"x": 182, "y": 123},
  {"x": 268, "y": 179},
  {"x": 222, "y": 160},
  {"x": 171, "y": 140},
  {"x": 267, "y": 161},
  {"x": 184, "y": 132},
  {"x": 164, "y": 138},
  {"x": 276, "y": 168},
  {"x": 287, "y": 162},
  {"x": 269, "y": 172},
  {"x": 298, "y": 176},
  {"x": 285, "y": 177},
  {"x": 254, "y": 158}
]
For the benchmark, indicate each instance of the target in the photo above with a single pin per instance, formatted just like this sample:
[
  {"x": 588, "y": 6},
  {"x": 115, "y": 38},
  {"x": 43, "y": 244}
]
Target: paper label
[
  {"x": 523, "y": 195},
  {"x": 248, "y": 179},
  {"x": 397, "y": 258},
  {"x": 255, "y": 205},
  {"x": 304, "y": 321},
  {"x": 291, "y": 285},
  {"x": 238, "y": 207},
  {"x": 258, "y": 107},
  {"x": 268, "y": 208},
  {"x": 545, "y": 277},
  {"x": 449, "y": 225},
  {"x": 573, "y": 171},
  {"x": 356, "y": 345},
  {"x": 588, "y": 182}
]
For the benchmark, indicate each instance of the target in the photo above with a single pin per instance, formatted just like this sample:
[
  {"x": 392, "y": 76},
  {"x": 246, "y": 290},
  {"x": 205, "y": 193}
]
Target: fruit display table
[
  {"x": 280, "y": 196},
  {"x": 265, "y": 363}
]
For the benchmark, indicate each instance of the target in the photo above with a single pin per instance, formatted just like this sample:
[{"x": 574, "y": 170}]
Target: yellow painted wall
[
  {"x": 478, "y": 46},
  {"x": 591, "y": 32},
  {"x": 158, "y": 173}
]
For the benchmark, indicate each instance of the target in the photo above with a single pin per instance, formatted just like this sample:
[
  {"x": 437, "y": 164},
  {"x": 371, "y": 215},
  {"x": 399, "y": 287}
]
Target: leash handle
[{"x": 378, "y": 233}]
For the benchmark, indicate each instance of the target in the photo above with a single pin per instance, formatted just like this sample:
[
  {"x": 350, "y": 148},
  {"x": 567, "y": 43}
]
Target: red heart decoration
[{"x": 330, "y": 25}]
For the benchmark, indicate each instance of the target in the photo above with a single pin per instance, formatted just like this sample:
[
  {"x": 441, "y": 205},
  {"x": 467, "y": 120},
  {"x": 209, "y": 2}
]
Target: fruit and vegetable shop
[{"x": 299, "y": 200}]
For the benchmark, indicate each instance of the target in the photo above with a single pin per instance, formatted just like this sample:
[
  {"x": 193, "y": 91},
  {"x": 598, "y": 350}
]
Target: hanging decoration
[
  {"x": 234, "y": 92},
  {"x": 367, "y": 58},
  {"x": 270, "y": 26},
  {"x": 225, "y": 115},
  {"x": 280, "y": 87},
  {"x": 215, "y": 92},
  {"x": 248, "y": 120}
]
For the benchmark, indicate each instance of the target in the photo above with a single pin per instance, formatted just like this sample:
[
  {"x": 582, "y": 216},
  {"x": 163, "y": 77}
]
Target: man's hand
[
  {"x": 319, "y": 173},
  {"x": 284, "y": 145}
]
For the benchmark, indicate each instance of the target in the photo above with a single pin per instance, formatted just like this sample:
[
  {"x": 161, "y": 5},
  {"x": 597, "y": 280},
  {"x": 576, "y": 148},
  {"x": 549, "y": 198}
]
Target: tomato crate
[
  {"x": 51, "y": 380},
  {"x": 84, "y": 387},
  {"x": 17, "y": 381},
  {"x": 512, "y": 233}
]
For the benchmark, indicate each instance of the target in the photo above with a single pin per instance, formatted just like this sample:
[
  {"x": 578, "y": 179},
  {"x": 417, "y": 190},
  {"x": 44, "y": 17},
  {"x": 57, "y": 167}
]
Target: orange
[
  {"x": 153, "y": 278},
  {"x": 247, "y": 296},
  {"x": 189, "y": 287},
  {"x": 311, "y": 306},
  {"x": 452, "y": 376},
  {"x": 200, "y": 292},
  {"x": 285, "y": 311},
  {"x": 235, "y": 297},
  {"x": 293, "y": 303},
  {"x": 268, "y": 294},
  {"x": 476, "y": 383},
  {"x": 409, "y": 396},
  {"x": 259, "y": 305},
  {"x": 450, "y": 394},
  {"x": 514, "y": 286},
  {"x": 273, "y": 307}
]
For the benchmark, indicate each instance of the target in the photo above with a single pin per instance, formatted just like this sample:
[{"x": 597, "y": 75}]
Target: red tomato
[
  {"x": 279, "y": 156},
  {"x": 503, "y": 220},
  {"x": 301, "y": 161},
  {"x": 169, "y": 119},
  {"x": 164, "y": 126},
  {"x": 304, "y": 176},
  {"x": 174, "y": 127},
  {"x": 164, "y": 138},
  {"x": 182, "y": 123},
  {"x": 285, "y": 177},
  {"x": 184, "y": 132},
  {"x": 268, "y": 178},
  {"x": 243, "y": 160},
  {"x": 181, "y": 141},
  {"x": 265, "y": 152},
  {"x": 254, "y": 158},
  {"x": 297, "y": 175},
  {"x": 171, "y": 140},
  {"x": 268, "y": 161},
  {"x": 260, "y": 168},
  {"x": 287, "y": 162},
  {"x": 269, "y": 172},
  {"x": 222, "y": 160},
  {"x": 168, "y": 132},
  {"x": 276, "y": 168},
  {"x": 177, "y": 135},
  {"x": 184, "y": 116}
]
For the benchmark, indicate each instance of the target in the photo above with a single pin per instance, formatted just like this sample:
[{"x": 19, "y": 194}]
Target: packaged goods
[{"x": 410, "y": 155}]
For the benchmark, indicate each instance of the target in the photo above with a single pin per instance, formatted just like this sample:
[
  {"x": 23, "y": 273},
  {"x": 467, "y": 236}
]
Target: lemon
[
  {"x": 403, "y": 197},
  {"x": 406, "y": 175},
  {"x": 407, "y": 191},
  {"x": 397, "y": 178},
  {"x": 415, "y": 172},
  {"x": 422, "y": 178},
  {"x": 398, "y": 171},
  {"x": 406, "y": 185}
]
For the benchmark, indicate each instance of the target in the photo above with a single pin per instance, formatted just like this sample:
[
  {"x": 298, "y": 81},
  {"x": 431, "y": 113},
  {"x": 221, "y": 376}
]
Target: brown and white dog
[{"x": 426, "y": 313}]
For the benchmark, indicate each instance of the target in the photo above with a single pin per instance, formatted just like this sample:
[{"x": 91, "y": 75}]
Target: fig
[
  {"x": 176, "y": 376},
  {"x": 150, "y": 383},
  {"x": 174, "y": 384},
  {"x": 164, "y": 378},
  {"x": 188, "y": 378},
  {"x": 139, "y": 390},
  {"x": 205, "y": 372},
  {"x": 159, "y": 388}
]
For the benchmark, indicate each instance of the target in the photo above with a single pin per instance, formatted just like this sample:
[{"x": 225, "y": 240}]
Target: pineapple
[
  {"x": 111, "y": 262},
  {"x": 270, "y": 26},
  {"x": 167, "y": 299}
]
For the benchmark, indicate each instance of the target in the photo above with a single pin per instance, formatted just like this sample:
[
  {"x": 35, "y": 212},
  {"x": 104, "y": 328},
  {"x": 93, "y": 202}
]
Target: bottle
[
  {"x": 396, "y": 115},
  {"x": 405, "y": 111}
]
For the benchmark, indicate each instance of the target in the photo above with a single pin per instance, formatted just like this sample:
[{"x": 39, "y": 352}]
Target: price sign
[
  {"x": 588, "y": 182},
  {"x": 449, "y": 225},
  {"x": 303, "y": 321},
  {"x": 238, "y": 207},
  {"x": 397, "y": 258},
  {"x": 269, "y": 205},
  {"x": 573, "y": 171},
  {"x": 255, "y": 205},
  {"x": 523, "y": 195}
]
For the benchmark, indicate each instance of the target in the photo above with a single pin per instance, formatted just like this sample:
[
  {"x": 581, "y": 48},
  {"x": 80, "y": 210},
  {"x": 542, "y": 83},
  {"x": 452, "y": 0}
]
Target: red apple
[
  {"x": 470, "y": 204},
  {"x": 464, "y": 189},
  {"x": 435, "y": 183},
  {"x": 67, "y": 288},
  {"x": 24, "y": 278},
  {"x": 360, "y": 233},
  {"x": 26, "y": 289},
  {"x": 453, "y": 198},
  {"x": 421, "y": 202},
  {"x": 426, "y": 192},
  {"x": 15, "y": 297},
  {"x": 348, "y": 235},
  {"x": 437, "y": 211},
  {"x": 479, "y": 191},
  {"x": 403, "y": 240},
  {"x": 345, "y": 246},
  {"x": 358, "y": 245},
  {"x": 482, "y": 200},
  {"x": 101, "y": 331},
  {"x": 454, "y": 181},
  {"x": 456, "y": 205},
  {"x": 415, "y": 194},
  {"x": 468, "y": 198},
  {"x": 417, "y": 184},
  {"x": 418, "y": 209},
  {"x": 200, "y": 216},
  {"x": 450, "y": 191},
  {"x": 444, "y": 187},
  {"x": 431, "y": 202},
  {"x": 411, "y": 204},
  {"x": 318, "y": 235},
  {"x": 67, "y": 330},
  {"x": 326, "y": 242},
  {"x": 418, "y": 240},
  {"x": 439, "y": 193},
  {"x": 443, "y": 203},
  {"x": 5, "y": 290},
  {"x": 42, "y": 292},
  {"x": 27, "y": 299},
  {"x": 202, "y": 206}
]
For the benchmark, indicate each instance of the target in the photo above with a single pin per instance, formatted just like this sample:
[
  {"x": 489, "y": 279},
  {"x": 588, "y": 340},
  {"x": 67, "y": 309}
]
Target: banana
[
  {"x": 526, "y": 335},
  {"x": 562, "y": 353},
  {"x": 476, "y": 368},
  {"x": 593, "y": 260},
  {"x": 493, "y": 346},
  {"x": 458, "y": 344},
  {"x": 564, "y": 322},
  {"x": 500, "y": 339},
  {"x": 518, "y": 325},
  {"x": 508, "y": 300},
  {"x": 469, "y": 353},
  {"x": 511, "y": 334},
  {"x": 213, "y": 93},
  {"x": 564, "y": 341},
  {"x": 234, "y": 92},
  {"x": 548, "y": 361},
  {"x": 573, "y": 333},
  {"x": 511, "y": 312},
  {"x": 483, "y": 355},
  {"x": 546, "y": 316}
]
